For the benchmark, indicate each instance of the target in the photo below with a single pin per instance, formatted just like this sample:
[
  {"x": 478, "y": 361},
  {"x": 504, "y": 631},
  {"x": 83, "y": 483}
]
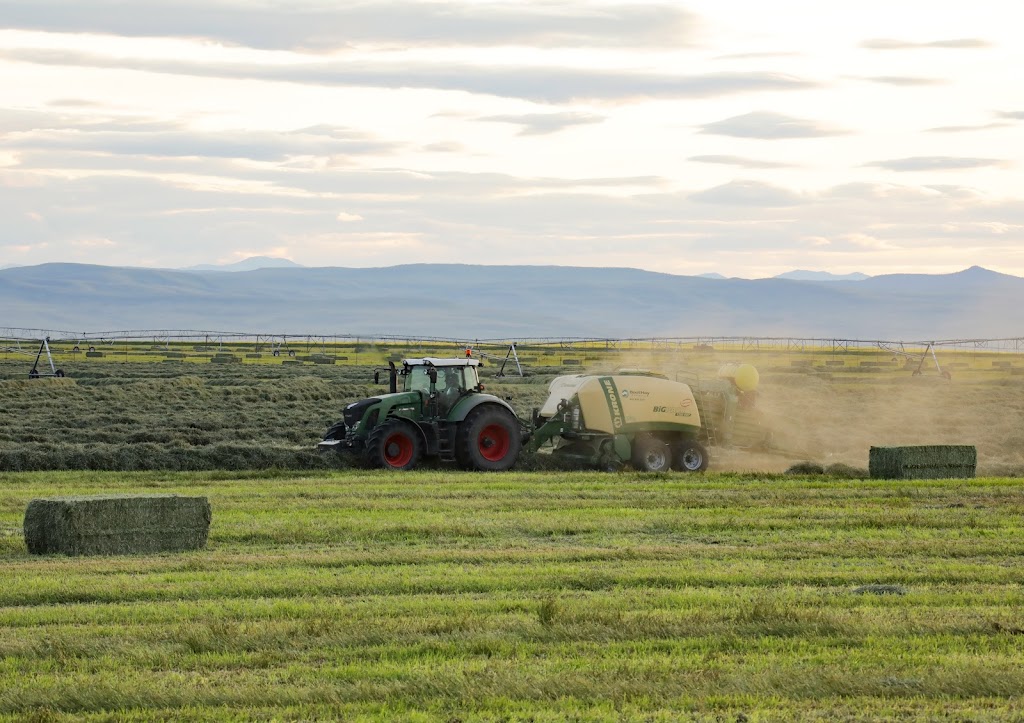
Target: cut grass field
[{"x": 450, "y": 596}]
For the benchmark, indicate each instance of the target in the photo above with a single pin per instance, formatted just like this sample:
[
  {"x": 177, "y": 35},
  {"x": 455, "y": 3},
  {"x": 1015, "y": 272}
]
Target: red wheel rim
[
  {"x": 493, "y": 442},
  {"x": 398, "y": 449}
]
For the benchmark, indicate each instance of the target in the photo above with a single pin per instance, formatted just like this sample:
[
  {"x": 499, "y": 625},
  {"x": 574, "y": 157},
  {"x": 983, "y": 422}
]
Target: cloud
[
  {"x": 540, "y": 84},
  {"x": 769, "y": 125},
  {"x": 967, "y": 129},
  {"x": 1013, "y": 115},
  {"x": 322, "y": 26},
  {"x": 748, "y": 193},
  {"x": 935, "y": 163},
  {"x": 170, "y": 140},
  {"x": 904, "y": 81},
  {"x": 739, "y": 161},
  {"x": 445, "y": 147},
  {"x": 955, "y": 43},
  {"x": 535, "y": 124},
  {"x": 92, "y": 242},
  {"x": 348, "y": 217},
  {"x": 759, "y": 56}
]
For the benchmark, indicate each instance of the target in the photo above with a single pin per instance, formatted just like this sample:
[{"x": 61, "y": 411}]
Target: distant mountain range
[
  {"x": 509, "y": 302},
  {"x": 250, "y": 264},
  {"x": 801, "y": 275}
]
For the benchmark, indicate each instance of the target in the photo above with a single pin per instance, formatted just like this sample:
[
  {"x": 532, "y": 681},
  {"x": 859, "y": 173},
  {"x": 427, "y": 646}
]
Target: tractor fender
[{"x": 467, "y": 405}]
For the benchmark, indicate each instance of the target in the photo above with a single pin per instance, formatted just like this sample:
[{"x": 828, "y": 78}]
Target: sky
[{"x": 731, "y": 136}]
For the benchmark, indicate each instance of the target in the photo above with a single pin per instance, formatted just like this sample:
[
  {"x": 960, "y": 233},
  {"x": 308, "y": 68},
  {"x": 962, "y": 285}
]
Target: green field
[
  {"x": 333, "y": 592},
  {"x": 583, "y": 596}
]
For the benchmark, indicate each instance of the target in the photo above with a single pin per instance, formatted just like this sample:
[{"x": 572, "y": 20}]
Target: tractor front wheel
[
  {"x": 336, "y": 431},
  {"x": 395, "y": 444},
  {"x": 690, "y": 456},
  {"x": 488, "y": 440},
  {"x": 651, "y": 454}
]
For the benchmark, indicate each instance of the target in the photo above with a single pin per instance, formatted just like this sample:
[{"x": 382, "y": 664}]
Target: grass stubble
[{"x": 439, "y": 595}]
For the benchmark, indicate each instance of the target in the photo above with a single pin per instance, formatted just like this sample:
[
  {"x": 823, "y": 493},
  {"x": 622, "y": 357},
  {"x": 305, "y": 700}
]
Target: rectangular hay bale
[
  {"x": 116, "y": 524},
  {"x": 933, "y": 461}
]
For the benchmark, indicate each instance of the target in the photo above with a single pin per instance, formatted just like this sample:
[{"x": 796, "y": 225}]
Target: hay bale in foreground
[
  {"x": 116, "y": 524},
  {"x": 923, "y": 462}
]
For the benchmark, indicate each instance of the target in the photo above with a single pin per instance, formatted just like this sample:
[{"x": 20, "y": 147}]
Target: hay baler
[{"x": 639, "y": 418}]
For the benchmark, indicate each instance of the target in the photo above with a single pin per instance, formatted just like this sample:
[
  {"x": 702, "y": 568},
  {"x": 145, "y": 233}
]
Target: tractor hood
[{"x": 355, "y": 410}]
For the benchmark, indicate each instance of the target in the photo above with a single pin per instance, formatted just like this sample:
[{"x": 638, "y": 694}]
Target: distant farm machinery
[{"x": 636, "y": 418}]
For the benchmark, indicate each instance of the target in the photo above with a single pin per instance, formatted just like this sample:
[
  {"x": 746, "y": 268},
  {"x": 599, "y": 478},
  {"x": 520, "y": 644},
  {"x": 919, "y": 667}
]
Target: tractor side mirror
[{"x": 432, "y": 373}]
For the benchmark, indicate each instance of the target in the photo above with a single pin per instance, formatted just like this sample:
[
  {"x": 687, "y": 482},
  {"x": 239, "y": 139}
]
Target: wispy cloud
[
  {"x": 748, "y": 193},
  {"x": 903, "y": 80},
  {"x": 954, "y": 43},
  {"x": 535, "y": 124},
  {"x": 968, "y": 129},
  {"x": 159, "y": 141},
  {"x": 768, "y": 125},
  {"x": 554, "y": 84},
  {"x": 739, "y": 161},
  {"x": 935, "y": 163},
  {"x": 327, "y": 26}
]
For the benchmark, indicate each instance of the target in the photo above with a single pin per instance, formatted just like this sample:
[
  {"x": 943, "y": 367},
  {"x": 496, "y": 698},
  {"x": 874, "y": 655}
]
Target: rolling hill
[{"x": 508, "y": 302}]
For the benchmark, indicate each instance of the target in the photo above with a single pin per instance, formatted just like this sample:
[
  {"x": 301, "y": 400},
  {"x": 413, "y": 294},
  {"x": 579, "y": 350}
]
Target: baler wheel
[
  {"x": 651, "y": 454},
  {"x": 689, "y": 456},
  {"x": 488, "y": 440},
  {"x": 395, "y": 444}
]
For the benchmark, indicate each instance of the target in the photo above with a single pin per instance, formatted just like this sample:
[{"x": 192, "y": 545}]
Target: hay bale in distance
[
  {"x": 934, "y": 461},
  {"x": 116, "y": 524}
]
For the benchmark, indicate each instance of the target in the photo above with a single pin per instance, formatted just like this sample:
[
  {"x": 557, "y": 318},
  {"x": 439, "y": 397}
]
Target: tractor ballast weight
[
  {"x": 434, "y": 408},
  {"x": 639, "y": 418}
]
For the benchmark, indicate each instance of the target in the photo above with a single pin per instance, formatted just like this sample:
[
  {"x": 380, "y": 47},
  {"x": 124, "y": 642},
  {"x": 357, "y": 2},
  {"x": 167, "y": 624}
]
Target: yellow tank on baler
[{"x": 625, "y": 404}]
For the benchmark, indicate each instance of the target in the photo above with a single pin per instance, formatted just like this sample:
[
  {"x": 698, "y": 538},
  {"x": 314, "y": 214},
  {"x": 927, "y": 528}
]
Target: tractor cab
[
  {"x": 443, "y": 381},
  {"x": 458, "y": 374}
]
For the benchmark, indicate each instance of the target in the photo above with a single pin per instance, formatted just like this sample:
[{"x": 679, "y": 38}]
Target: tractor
[{"x": 441, "y": 412}]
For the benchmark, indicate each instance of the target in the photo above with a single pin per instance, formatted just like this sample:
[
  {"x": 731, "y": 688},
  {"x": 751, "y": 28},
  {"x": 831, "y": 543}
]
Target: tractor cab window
[
  {"x": 450, "y": 386},
  {"x": 450, "y": 380},
  {"x": 417, "y": 380}
]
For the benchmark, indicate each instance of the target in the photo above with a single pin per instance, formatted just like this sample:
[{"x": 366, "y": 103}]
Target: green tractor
[{"x": 441, "y": 412}]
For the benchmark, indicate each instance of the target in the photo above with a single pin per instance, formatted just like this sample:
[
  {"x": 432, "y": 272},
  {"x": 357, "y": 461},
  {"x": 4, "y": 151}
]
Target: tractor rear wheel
[
  {"x": 651, "y": 454},
  {"x": 689, "y": 456},
  {"x": 395, "y": 444},
  {"x": 488, "y": 440}
]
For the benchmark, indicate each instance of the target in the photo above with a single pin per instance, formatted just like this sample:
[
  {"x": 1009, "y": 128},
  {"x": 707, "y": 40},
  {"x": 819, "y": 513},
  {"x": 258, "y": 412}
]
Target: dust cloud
[{"x": 837, "y": 420}]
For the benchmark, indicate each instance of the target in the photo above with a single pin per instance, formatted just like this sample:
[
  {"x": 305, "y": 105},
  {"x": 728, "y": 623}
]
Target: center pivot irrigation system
[{"x": 45, "y": 343}]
